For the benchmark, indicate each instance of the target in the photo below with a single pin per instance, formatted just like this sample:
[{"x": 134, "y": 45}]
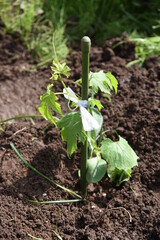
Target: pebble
[
  {"x": 93, "y": 207},
  {"x": 8, "y": 133},
  {"x": 20, "y": 195},
  {"x": 8, "y": 183}
]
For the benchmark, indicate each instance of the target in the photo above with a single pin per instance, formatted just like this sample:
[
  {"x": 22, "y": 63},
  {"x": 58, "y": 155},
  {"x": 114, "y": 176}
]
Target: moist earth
[{"x": 131, "y": 211}]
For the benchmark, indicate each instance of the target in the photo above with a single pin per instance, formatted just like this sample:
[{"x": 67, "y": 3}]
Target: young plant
[
  {"x": 145, "y": 48},
  {"x": 84, "y": 123}
]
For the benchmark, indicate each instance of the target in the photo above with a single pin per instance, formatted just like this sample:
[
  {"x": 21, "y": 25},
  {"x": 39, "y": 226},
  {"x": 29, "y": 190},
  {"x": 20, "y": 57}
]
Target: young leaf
[
  {"x": 113, "y": 81},
  {"x": 54, "y": 77},
  {"x": 99, "y": 80},
  {"x": 59, "y": 68},
  {"x": 95, "y": 102},
  {"x": 118, "y": 176},
  {"x": 96, "y": 169},
  {"x": 118, "y": 154},
  {"x": 71, "y": 128},
  {"x": 49, "y": 99},
  {"x": 46, "y": 113}
]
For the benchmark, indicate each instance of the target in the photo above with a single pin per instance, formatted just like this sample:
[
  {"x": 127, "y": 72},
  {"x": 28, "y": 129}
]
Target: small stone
[
  {"x": 8, "y": 133},
  {"x": 8, "y": 183},
  {"x": 93, "y": 207},
  {"x": 20, "y": 195},
  {"x": 120, "y": 129}
]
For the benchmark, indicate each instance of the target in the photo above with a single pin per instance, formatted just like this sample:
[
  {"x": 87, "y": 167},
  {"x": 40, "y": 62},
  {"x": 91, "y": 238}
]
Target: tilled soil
[{"x": 134, "y": 112}]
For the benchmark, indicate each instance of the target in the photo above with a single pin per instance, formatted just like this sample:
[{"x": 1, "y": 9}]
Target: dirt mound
[{"x": 134, "y": 113}]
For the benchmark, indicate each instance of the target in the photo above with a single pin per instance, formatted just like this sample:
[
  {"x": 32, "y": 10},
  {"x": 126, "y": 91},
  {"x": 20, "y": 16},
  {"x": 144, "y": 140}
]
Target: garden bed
[{"x": 128, "y": 212}]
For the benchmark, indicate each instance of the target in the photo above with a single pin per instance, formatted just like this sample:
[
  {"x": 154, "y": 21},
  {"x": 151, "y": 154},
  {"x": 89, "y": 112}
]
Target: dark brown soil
[{"x": 134, "y": 113}]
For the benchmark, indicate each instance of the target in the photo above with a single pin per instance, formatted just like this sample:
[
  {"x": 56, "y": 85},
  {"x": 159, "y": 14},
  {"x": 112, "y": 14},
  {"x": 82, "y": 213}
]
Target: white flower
[{"x": 88, "y": 121}]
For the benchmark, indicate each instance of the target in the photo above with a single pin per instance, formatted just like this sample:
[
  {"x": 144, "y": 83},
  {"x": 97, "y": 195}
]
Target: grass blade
[
  {"x": 56, "y": 201},
  {"x": 19, "y": 117},
  {"x": 72, "y": 193},
  {"x": 34, "y": 237},
  {"x": 57, "y": 235}
]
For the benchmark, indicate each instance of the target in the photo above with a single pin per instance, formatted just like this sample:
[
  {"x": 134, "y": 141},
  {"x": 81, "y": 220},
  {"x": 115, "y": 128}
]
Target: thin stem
[
  {"x": 59, "y": 93},
  {"x": 85, "y": 47},
  {"x": 56, "y": 201},
  {"x": 19, "y": 117},
  {"x": 64, "y": 85}
]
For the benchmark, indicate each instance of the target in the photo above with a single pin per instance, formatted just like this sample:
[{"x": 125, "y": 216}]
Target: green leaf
[
  {"x": 118, "y": 154},
  {"x": 49, "y": 99},
  {"x": 96, "y": 169},
  {"x": 113, "y": 81},
  {"x": 118, "y": 176},
  {"x": 59, "y": 68},
  {"x": 54, "y": 77},
  {"x": 71, "y": 128},
  {"x": 95, "y": 102},
  {"x": 99, "y": 80},
  {"x": 46, "y": 113}
]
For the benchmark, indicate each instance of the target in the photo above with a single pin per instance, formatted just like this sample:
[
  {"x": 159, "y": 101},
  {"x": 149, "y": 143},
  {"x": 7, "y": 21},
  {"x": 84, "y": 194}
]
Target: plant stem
[
  {"x": 64, "y": 85},
  {"x": 85, "y": 47}
]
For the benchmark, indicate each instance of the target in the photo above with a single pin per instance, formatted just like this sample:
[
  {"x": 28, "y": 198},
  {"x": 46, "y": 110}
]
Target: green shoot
[
  {"x": 57, "y": 235},
  {"x": 34, "y": 237},
  {"x": 145, "y": 47}
]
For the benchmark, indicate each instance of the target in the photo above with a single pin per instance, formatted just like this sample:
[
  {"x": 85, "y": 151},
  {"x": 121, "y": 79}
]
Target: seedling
[{"x": 84, "y": 123}]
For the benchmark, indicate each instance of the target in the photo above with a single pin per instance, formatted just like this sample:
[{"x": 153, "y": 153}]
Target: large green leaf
[
  {"x": 48, "y": 100},
  {"x": 99, "y": 80},
  {"x": 96, "y": 169},
  {"x": 71, "y": 128},
  {"x": 119, "y": 154}
]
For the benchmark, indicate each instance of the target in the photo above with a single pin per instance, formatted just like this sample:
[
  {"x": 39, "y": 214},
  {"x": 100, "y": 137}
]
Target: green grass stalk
[{"x": 20, "y": 117}]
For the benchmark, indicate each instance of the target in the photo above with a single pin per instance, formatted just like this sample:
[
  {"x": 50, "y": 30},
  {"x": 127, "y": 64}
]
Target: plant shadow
[{"x": 34, "y": 187}]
